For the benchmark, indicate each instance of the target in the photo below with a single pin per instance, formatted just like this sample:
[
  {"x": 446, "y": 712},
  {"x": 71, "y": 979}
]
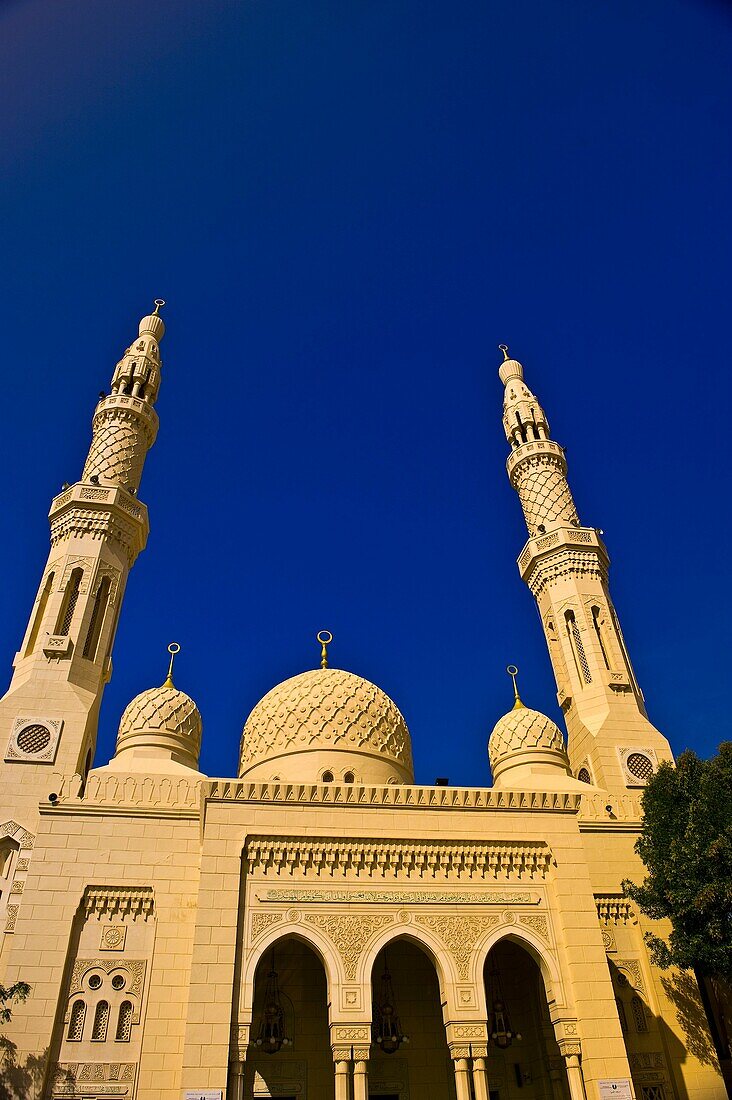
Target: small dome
[
  {"x": 525, "y": 737},
  {"x": 163, "y": 720},
  {"x": 328, "y": 725}
]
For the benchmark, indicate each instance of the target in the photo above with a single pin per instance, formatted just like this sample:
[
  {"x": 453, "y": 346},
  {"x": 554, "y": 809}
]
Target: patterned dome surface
[
  {"x": 163, "y": 710},
  {"x": 523, "y": 729},
  {"x": 326, "y": 708}
]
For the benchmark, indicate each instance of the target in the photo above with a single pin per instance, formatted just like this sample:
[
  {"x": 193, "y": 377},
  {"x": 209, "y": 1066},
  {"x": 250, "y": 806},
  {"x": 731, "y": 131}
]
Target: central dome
[{"x": 323, "y": 726}]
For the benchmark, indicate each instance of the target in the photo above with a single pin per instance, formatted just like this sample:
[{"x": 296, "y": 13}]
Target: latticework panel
[{"x": 544, "y": 493}]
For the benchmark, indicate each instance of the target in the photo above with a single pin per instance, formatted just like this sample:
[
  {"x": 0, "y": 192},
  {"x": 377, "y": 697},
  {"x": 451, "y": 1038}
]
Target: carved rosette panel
[
  {"x": 460, "y": 934},
  {"x": 350, "y": 934}
]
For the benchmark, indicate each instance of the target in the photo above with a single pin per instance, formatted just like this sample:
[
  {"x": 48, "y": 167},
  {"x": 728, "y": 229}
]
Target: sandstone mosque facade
[{"x": 320, "y": 927}]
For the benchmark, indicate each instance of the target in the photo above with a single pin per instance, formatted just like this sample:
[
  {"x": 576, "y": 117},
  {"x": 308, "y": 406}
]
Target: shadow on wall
[
  {"x": 682, "y": 991},
  {"x": 20, "y": 1080}
]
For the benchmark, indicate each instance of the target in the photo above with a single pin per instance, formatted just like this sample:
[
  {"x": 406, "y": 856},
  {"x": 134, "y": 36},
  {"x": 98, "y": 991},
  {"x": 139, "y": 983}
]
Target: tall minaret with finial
[
  {"x": 48, "y": 717},
  {"x": 565, "y": 565}
]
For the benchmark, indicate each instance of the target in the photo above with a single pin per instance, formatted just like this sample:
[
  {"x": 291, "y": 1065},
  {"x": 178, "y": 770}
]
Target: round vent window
[
  {"x": 584, "y": 776},
  {"x": 33, "y": 739},
  {"x": 118, "y": 982},
  {"x": 639, "y": 765},
  {"x": 95, "y": 981}
]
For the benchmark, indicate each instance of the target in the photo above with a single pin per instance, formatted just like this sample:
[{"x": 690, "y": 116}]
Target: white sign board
[
  {"x": 617, "y": 1089},
  {"x": 203, "y": 1094}
]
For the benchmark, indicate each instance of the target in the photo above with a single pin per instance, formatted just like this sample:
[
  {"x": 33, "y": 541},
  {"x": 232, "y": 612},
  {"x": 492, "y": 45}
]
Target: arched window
[
  {"x": 101, "y": 1020},
  {"x": 598, "y": 621},
  {"x": 584, "y": 775},
  {"x": 124, "y": 1022},
  {"x": 97, "y": 619},
  {"x": 41, "y": 611},
  {"x": 639, "y": 1014},
  {"x": 68, "y": 607},
  {"x": 8, "y": 850},
  {"x": 621, "y": 1016},
  {"x": 577, "y": 647},
  {"x": 349, "y": 777},
  {"x": 328, "y": 777},
  {"x": 76, "y": 1022}
]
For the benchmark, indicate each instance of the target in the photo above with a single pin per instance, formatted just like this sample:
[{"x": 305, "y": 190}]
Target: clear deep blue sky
[{"x": 347, "y": 206}]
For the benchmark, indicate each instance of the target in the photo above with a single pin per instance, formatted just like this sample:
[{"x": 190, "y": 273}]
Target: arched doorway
[
  {"x": 524, "y": 1061},
  {"x": 404, "y": 979},
  {"x": 290, "y": 1056}
]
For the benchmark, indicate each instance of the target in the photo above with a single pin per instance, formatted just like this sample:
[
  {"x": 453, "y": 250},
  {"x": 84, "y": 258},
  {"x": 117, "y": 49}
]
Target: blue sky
[{"x": 347, "y": 207}]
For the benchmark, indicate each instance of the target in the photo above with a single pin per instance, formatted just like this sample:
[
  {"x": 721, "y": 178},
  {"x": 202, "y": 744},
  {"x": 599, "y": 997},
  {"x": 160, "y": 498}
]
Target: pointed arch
[{"x": 543, "y": 956}]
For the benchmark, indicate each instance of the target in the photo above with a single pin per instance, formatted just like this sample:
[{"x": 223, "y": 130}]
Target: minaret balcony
[
  {"x": 544, "y": 546},
  {"x": 100, "y": 510},
  {"x": 532, "y": 449}
]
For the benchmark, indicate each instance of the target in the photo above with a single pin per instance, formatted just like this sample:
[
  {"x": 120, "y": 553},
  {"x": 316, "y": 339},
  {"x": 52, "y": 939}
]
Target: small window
[
  {"x": 40, "y": 613},
  {"x": 640, "y": 766},
  {"x": 97, "y": 620},
  {"x": 349, "y": 777},
  {"x": 95, "y": 981},
  {"x": 118, "y": 982},
  {"x": 101, "y": 1021},
  {"x": 652, "y": 1092},
  {"x": 584, "y": 775},
  {"x": 76, "y": 1022},
  {"x": 68, "y": 607},
  {"x": 639, "y": 1015},
  {"x": 327, "y": 777},
  {"x": 124, "y": 1022}
]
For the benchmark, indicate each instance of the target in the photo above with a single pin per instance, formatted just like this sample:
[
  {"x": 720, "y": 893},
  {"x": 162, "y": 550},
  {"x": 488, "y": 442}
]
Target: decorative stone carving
[
  {"x": 350, "y": 933},
  {"x": 350, "y": 1034},
  {"x": 402, "y": 897},
  {"x": 123, "y": 901},
  {"x": 460, "y": 934},
  {"x": 614, "y": 909},
  {"x": 633, "y": 972},
  {"x": 113, "y": 938},
  {"x": 398, "y": 859},
  {"x": 34, "y": 739},
  {"x": 537, "y": 922},
  {"x": 261, "y": 923},
  {"x": 135, "y": 969}
]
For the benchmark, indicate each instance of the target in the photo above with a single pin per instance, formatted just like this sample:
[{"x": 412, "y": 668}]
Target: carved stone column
[
  {"x": 480, "y": 1071},
  {"x": 237, "y": 1080},
  {"x": 571, "y": 1050},
  {"x": 460, "y": 1054},
  {"x": 342, "y": 1067},
  {"x": 360, "y": 1073}
]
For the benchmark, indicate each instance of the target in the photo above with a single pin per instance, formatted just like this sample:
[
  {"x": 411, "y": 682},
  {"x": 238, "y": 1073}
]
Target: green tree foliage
[
  {"x": 10, "y": 996},
  {"x": 686, "y": 845}
]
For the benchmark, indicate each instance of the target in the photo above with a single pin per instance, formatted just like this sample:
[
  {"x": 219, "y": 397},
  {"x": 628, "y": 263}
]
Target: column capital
[
  {"x": 570, "y": 1048},
  {"x": 459, "y": 1051},
  {"x": 341, "y": 1052}
]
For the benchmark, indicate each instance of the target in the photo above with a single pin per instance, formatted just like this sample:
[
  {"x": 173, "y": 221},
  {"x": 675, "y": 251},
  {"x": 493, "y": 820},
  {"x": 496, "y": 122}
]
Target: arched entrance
[
  {"x": 290, "y": 1056},
  {"x": 524, "y": 1061},
  {"x": 405, "y": 988}
]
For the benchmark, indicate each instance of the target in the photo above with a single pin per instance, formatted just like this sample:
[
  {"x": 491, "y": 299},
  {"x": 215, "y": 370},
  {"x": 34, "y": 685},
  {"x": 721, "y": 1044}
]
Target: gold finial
[
  {"x": 325, "y": 638},
  {"x": 173, "y": 649},
  {"x": 504, "y": 349},
  {"x": 159, "y": 303},
  {"x": 513, "y": 673}
]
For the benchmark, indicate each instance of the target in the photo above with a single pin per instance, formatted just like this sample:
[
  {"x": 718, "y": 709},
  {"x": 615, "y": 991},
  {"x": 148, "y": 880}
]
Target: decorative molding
[
  {"x": 350, "y": 1033},
  {"x": 632, "y": 970},
  {"x": 350, "y": 933},
  {"x": 402, "y": 897},
  {"x": 460, "y": 934},
  {"x": 614, "y": 909},
  {"x": 122, "y": 901},
  {"x": 393, "y": 794},
  {"x": 94, "y": 1078},
  {"x": 135, "y": 968},
  {"x": 398, "y": 859}
]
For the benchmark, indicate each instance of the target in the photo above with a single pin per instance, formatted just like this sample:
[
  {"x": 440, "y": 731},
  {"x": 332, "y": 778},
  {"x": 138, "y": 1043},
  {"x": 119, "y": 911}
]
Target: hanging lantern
[
  {"x": 500, "y": 1031},
  {"x": 272, "y": 1036},
  {"x": 387, "y": 1031}
]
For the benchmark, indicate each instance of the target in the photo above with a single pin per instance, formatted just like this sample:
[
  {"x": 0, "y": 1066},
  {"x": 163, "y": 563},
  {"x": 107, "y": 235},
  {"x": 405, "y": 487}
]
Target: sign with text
[
  {"x": 203, "y": 1094},
  {"x": 617, "y": 1089}
]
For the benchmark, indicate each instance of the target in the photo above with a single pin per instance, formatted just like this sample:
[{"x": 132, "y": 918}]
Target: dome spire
[
  {"x": 325, "y": 638},
  {"x": 173, "y": 650},
  {"x": 512, "y": 671}
]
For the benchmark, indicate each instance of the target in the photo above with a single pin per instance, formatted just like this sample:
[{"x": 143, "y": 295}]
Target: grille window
[
  {"x": 124, "y": 1022},
  {"x": 640, "y": 766},
  {"x": 584, "y": 775},
  {"x": 69, "y": 605},
  {"x": 76, "y": 1022},
  {"x": 101, "y": 1020},
  {"x": 96, "y": 620},
  {"x": 40, "y": 613},
  {"x": 639, "y": 1015},
  {"x": 33, "y": 739}
]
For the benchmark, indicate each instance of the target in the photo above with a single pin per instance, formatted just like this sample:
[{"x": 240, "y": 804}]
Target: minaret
[
  {"x": 48, "y": 717},
  {"x": 611, "y": 742}
]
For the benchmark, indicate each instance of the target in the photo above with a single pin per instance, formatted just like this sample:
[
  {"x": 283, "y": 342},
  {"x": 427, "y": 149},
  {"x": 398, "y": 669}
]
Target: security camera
[
  {"x": 53, "y": 798},
  {"x": 609, "y": 808}
]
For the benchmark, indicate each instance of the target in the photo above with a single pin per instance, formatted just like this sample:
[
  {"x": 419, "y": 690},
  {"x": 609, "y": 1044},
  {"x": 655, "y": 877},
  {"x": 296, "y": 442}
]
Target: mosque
[{"x": 320, "y": 927}]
